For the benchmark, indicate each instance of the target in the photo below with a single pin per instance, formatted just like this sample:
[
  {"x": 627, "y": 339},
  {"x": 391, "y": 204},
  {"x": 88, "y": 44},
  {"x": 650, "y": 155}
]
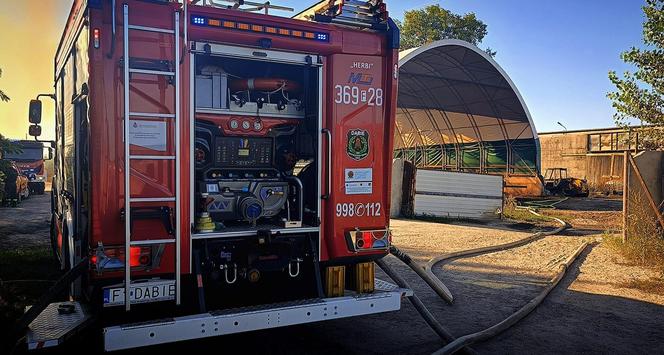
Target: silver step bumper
[{"x": 386, "y": 298}]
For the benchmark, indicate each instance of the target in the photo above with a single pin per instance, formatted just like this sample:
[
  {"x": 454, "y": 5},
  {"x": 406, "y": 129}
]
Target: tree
[
  {"x": 640, "y": 94},
  {"x": 7, "y": 173},
  {"x": 3, "y": 96},
  {"x": 6, "y": 146},
  {"x": 433, "y": 23}
]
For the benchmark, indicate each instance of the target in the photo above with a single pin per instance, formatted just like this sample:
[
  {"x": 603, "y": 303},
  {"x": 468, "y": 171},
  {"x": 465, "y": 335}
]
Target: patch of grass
[
  {"x": 610, "y": 239},
  {"x": 35, "y": 263},
  {"x": 644, "y": 244},
  {"x": 25, "y": 274},
  {"x": 633, "y": 252},
  {"x": 522, "y": 215},
  {"x": 642, "y": 251},
  {"x": 511, "y": 211}
]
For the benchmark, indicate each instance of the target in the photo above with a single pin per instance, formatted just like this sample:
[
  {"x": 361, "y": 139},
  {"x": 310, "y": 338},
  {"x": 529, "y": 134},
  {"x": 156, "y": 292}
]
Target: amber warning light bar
[{"x": 203, "y": 21}]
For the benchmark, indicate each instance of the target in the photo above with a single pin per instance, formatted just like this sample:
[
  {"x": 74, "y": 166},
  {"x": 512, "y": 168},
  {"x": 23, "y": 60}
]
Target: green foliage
[
  {"x": 3, "y": 96},
  {"x": 6, "y": 171},
  {"x": 515, "y": 211},
  {"x": 512, "y": 211},
  {"x": 6, "y": 146},
  {"x": 433, "y": 23},
  {"x": 640, "y": 94}
]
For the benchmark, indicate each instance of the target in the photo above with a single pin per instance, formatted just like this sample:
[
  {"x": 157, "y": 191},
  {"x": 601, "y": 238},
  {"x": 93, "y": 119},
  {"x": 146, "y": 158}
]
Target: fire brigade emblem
[{"x": 358, "y": 144}]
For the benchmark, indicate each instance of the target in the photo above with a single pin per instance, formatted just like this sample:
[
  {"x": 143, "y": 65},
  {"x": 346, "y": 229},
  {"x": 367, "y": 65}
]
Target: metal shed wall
[{"x": 458, "y": 195}]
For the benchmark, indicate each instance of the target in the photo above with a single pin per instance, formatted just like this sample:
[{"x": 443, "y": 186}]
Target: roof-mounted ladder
[
  {"x": 238, "y": 5},
  {"x": 353, "y": 13},
  {"x": 175, "y": 118}
]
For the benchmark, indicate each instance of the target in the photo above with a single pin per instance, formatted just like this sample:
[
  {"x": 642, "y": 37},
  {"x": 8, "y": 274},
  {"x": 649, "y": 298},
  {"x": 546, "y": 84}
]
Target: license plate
[{"x": 140, "y": 292}]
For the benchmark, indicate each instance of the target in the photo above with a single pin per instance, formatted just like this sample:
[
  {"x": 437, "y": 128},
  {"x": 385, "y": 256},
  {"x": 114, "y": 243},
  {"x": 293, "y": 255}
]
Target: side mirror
[
  {"x": 35, "y": 130},
  {"x": 50, "y": 153},
  {"x": 34, "y": 115}
]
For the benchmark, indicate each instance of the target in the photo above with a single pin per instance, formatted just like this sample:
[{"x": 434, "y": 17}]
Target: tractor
[{"x": 557, "y": 182}]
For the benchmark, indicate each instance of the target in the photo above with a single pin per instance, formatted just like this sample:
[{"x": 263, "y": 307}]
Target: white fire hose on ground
[
  {"x": 494, "y": 330},
  {"x": 443, "y": 292}
]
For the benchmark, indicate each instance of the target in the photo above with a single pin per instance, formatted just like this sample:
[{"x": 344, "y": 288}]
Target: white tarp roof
[{"x": 451, "y": 92}]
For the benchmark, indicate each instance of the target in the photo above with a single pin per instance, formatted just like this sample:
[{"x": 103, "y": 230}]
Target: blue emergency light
[
  {"x": 244, "y": 26},
  {"x": 198, "y": 20}
]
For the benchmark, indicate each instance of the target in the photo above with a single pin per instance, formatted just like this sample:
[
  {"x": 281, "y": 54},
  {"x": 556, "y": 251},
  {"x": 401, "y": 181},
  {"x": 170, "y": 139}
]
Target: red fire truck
[
  {"x": 219, "y": 169},
  {"x": 30, "y": 160}
]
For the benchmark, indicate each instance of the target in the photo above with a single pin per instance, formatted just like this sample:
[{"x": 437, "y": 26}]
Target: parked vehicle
[
  {"x": 30, "y": 161},
  {"x": 230, "y": 165},
  {"x": 557, "y": 182},
  {"x": 15, "y": 185}
]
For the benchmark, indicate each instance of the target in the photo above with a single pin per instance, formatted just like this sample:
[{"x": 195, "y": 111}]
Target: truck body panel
[{"x": 259, "y": 147}]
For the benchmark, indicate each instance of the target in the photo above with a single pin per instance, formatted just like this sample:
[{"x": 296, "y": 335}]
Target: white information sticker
[
  {"x": 359, "y": 188},
  {"x": 148, "y": 134},
  {"x": 360, "y": 174}
]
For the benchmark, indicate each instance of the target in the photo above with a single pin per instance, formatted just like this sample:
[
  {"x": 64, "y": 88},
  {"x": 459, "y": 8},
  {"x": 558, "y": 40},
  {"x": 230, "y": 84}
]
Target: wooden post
[{"x": 625, "y": 194}]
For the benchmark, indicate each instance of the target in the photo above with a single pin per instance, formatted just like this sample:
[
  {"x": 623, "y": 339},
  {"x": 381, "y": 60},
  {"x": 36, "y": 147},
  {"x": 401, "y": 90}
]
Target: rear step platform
[
  {"x": 59, "y": 321},
  {"x": 385, "y": 298}
]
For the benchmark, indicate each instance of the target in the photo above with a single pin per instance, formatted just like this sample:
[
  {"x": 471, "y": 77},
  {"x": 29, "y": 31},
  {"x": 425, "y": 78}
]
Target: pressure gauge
[
  {"x": 246, "y": 124},
  {"x": 258, "y": 126},
  {"x": 234, "y": 124}
]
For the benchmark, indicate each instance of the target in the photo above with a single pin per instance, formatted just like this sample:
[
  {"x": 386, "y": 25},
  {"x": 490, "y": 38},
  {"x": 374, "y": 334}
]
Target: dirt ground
[
  {"x": 596, "y": 203},
  {"x": 597, "y": 308},
  {"x": 27, "y": 225},
  {"x": 596, "y": 214}
]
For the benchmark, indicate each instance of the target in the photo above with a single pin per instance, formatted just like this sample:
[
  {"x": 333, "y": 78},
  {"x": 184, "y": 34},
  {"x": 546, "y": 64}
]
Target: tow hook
[
  {"x": 297, "y": 267},
  {"x": 67, "y": 308},
  {"x": 225, "y": 267}
]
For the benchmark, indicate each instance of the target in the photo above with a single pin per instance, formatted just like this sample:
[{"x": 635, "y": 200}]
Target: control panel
[{"x": 243, "y": 152}]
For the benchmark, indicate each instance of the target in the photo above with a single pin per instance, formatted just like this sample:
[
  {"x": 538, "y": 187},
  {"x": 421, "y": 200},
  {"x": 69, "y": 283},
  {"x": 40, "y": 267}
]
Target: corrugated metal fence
[{"x": 457, "y": 195}]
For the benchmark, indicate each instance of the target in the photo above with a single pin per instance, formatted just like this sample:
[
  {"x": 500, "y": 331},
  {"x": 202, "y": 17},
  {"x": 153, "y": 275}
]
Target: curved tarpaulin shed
[{"x": 458, "y": 110}]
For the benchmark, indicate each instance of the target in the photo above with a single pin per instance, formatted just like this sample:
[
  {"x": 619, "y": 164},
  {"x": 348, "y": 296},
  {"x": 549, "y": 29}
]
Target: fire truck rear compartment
[
  {"x": 256, "y": 178},
  {"x": 190, "y": 171}
]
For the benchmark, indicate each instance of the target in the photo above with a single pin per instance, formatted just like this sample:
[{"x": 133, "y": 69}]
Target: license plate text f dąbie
[{"x": 140, "y": 292}]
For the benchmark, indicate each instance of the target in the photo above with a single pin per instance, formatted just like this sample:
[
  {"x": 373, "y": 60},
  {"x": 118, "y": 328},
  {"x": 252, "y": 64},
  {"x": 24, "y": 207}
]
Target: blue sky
[{"x": 558, "y": 53}]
